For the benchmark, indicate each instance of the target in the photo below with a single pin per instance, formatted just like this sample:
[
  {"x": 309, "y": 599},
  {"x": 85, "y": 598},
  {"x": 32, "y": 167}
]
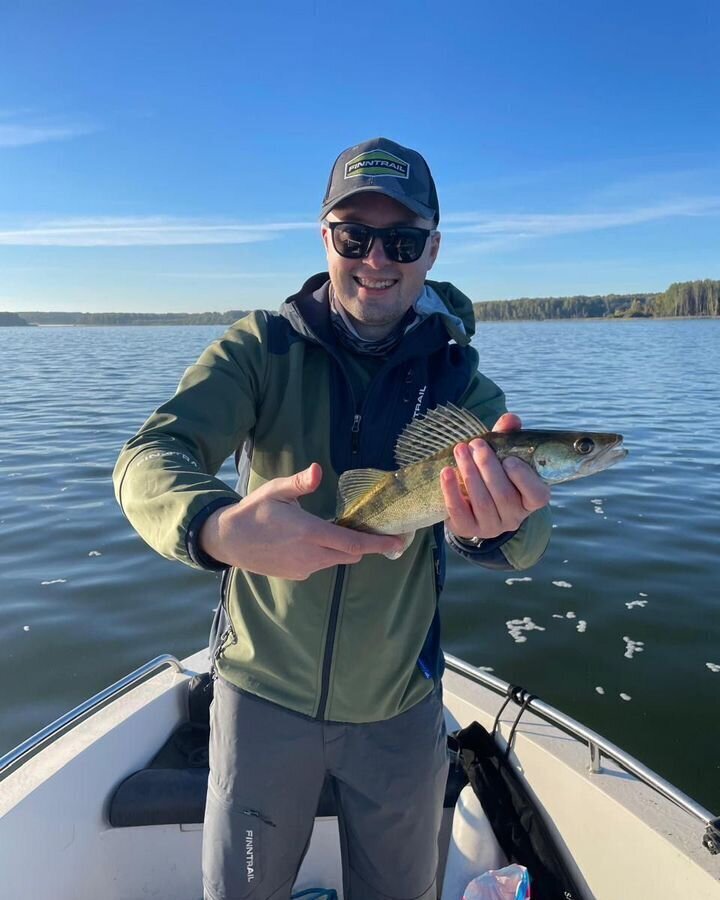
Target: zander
[{"x": 400, "y": 502}]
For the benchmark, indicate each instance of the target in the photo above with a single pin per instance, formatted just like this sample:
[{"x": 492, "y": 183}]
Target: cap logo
[{"x": 377, "y": 162}]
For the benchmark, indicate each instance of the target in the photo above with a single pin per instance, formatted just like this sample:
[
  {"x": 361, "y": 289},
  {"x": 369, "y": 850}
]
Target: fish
[{"x": 402, "y": 501}]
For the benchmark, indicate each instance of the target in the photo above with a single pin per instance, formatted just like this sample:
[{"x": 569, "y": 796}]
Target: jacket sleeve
[
  {"x": 165, "y": 475},
  {"x": 514, "y": 549}
]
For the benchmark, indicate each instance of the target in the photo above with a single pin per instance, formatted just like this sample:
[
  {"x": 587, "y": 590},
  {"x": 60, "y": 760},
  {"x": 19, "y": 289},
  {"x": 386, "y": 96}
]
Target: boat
[{"x": 82, "y": 817}]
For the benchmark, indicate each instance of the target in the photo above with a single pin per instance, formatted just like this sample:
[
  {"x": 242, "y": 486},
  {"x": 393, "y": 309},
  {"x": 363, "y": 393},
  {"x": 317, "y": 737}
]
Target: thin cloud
[
  {"x": 20, "y": 129},
  {"x": 219, "y": 276},
  {"x": 504, "y": 230},
  {"x": 151, "y": 231}
]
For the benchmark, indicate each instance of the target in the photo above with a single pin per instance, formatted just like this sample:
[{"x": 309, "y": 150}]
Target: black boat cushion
[{"x": 171, "y": 791}]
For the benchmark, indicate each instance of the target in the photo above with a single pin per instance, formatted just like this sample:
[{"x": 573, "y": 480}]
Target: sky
[{"x": 172, "y": 156}]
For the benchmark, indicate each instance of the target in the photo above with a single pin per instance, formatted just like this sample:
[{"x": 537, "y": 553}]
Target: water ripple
[{"x": 647, "y": 529}]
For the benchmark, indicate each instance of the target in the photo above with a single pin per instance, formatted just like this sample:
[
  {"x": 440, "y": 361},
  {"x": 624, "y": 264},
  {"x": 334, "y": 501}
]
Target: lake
[{"x": 619, "y": 619}]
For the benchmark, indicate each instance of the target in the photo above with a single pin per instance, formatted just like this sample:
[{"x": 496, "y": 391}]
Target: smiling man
[
  {"x": 326, "y": 653},
  {"x": 374, "y": 290}
]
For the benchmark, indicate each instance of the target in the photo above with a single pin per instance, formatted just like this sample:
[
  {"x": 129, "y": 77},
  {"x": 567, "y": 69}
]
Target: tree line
[
  {"x": 689, "y": 298},
  {"x": 10, "y": 319},
  {"x": 119, "y": 318}
]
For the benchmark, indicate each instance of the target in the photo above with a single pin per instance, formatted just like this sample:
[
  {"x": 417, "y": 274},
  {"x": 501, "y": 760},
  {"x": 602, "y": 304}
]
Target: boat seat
[{"x": 171, "y": 790}]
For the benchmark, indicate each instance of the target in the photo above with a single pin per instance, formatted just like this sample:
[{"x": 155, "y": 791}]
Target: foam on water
[
  {"x": 632, "y": 647},
  {"x": 76, "y": 400},
  {"x": 516, "y": 627}
]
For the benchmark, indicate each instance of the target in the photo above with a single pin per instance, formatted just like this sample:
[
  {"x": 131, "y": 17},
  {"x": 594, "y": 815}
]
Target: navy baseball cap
[{"x": 383, "y": 166}]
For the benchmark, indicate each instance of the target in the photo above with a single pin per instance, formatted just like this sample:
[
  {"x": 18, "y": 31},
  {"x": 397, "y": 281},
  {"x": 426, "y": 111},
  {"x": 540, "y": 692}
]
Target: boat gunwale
[
  {"x": 597, "y": 744},
  {"x": 51, "y": 732}
]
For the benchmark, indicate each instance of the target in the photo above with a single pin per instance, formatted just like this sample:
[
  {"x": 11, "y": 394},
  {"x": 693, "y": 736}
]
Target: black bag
[{"x": 519, "y": 826}]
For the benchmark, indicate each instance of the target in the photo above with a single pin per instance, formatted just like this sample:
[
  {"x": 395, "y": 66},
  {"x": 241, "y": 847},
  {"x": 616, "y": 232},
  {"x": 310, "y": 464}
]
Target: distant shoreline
[
  {"x": 682, "y": 300},
  {"x": 479, "y": 322}
]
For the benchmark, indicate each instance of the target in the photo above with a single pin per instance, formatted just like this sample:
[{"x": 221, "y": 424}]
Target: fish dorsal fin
[
  {"x": 352, "y": 485},
  {"x": 439, "y": 429}
]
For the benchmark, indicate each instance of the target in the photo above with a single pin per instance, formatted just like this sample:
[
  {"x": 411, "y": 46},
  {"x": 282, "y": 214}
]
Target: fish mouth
[{"x": 609, "y": 455}]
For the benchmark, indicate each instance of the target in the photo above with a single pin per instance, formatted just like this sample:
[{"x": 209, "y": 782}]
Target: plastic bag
[
  {"x": 510, "y": 883},
  {"x": 316, "y": 894}
]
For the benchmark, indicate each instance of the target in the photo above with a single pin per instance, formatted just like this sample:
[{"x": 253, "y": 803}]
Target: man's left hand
[{"x": 485, "y": 497}]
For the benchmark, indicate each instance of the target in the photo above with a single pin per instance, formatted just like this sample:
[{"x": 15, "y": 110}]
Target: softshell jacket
[{"x": 353, "y": 643}]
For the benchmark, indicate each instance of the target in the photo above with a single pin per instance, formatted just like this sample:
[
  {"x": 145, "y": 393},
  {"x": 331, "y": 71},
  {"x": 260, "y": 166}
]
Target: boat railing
[
  {"x": 598, "y": 746},
  {"x": 45, "y": 735}
]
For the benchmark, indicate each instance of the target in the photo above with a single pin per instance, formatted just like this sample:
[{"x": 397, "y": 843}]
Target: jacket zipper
[
  {"x": 337, "y": 590},
  {"x": 356, "y": 435},
  {"x": 330, "y": 641},
  {"x": 340, "y": 579},
  {"x": 223, "y": 641},
  {"x": 227, "y": 638}
]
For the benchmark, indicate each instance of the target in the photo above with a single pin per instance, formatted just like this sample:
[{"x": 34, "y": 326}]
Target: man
[{"x": 326, "y": 652}]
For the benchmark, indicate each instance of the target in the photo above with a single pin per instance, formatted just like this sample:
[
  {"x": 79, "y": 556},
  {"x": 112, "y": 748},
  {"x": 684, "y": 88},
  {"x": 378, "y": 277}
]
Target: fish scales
[{"x": 400, "y": 502}]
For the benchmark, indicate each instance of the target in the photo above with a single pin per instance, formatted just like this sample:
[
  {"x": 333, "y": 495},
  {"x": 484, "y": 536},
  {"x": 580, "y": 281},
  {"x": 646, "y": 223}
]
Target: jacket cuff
[
  {"x": 192, "y": 537},
  {"x": 486, "y": 553}
]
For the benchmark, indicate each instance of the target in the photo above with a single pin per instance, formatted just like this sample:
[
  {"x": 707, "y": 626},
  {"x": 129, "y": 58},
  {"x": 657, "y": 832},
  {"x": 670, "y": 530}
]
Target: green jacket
[{"x": 352, "y": 644}]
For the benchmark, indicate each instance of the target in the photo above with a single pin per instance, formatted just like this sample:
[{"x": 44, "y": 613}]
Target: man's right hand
[{"x": 269, "y": 533}]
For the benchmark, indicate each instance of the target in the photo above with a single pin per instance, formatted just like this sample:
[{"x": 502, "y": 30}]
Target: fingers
[
  {"x": 508, "y": 422},
  {"x": 294, "y": 486},
  {"x": 533, "y": 491},
  {"x": 492, "y": 497},
  {"x": 461, "y": 519},
  {"x": 355, "y": 543},
  {"x": 319, "y": 558},
  {"x": 489, "y": 497},
  {"x": 311, "y": 556},
  {"x": 299, "y": 563}
]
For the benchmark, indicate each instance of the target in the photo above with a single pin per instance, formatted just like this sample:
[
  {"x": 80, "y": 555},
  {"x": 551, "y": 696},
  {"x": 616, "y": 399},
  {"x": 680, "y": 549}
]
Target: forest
[
  {"x": 11, "y": 319},
  {"x": 688, "y": 298},
  {"x": 126, "y": 318}
]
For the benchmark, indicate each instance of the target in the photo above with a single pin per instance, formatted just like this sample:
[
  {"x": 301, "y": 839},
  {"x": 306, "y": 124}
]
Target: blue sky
[{"x": 163, "y": 155}]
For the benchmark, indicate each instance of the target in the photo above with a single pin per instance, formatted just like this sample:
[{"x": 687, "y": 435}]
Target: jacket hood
[{"x": 458, "y": 316}]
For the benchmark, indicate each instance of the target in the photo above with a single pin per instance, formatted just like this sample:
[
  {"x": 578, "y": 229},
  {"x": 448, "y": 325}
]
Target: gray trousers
[{"x": 267, "y": 767}]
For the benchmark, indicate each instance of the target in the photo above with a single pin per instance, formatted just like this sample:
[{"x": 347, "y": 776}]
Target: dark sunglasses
[{"x": 401, "y": 243}]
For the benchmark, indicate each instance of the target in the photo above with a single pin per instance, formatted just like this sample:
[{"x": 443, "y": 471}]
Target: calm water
[{"x": 634, "y": 556}]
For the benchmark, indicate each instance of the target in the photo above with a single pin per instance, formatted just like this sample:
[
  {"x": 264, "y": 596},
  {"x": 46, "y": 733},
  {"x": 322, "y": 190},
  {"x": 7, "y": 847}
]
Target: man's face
[{"x": 374, "y": 291}]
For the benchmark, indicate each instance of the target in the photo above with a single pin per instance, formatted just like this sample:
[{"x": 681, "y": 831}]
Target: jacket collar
[{"x": 447, "y": 315}]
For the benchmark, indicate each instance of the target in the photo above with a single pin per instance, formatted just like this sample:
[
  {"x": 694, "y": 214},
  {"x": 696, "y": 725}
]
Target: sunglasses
[{"x": 401, "y": 243}]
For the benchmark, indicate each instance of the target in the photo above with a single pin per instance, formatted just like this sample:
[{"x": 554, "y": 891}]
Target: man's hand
[
  {"x": 270, "y": 534},
  {"x": 485, "y": 497}
]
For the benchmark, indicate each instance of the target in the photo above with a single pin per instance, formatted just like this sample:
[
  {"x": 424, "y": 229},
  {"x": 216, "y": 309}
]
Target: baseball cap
[{"x": 388, "y": 168}]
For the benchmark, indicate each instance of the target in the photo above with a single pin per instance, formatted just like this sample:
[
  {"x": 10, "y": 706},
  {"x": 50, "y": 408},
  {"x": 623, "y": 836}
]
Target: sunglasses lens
[
  {"x": 405, "y": 245},
  {"x": 350, "y": 240}
]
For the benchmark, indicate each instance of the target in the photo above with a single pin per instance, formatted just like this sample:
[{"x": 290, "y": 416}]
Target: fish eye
[{"x": 584, "y": 445}]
